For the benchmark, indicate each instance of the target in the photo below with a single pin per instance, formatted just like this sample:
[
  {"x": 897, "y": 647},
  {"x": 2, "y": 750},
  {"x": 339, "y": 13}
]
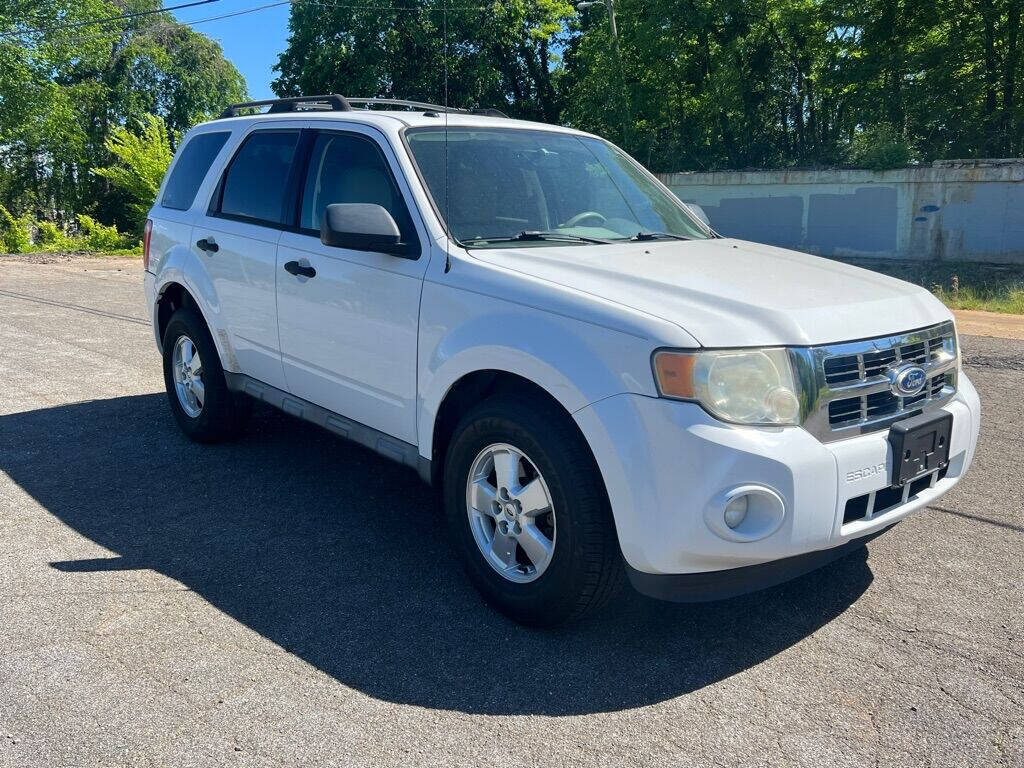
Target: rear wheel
[
  {"x": 205, "y": 409},
  {"x": 528, "y": 512}
]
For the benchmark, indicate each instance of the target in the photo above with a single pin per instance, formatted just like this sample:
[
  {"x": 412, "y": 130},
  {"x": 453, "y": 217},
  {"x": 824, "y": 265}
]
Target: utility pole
[
  {"x": 627, "y": 120},
  {"x": 611, "y": 23}
]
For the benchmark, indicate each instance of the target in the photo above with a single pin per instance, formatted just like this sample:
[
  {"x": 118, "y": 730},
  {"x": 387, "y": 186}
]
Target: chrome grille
[
  {"x": 843, "y": 369},
  {"x": 851, "y": 387},
  {"x": 851, "y": 410}
]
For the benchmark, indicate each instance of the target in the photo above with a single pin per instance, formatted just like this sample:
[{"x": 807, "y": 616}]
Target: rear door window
[
  {"x": 193, "y": 163},
  {"x": 256, "y": 182}
]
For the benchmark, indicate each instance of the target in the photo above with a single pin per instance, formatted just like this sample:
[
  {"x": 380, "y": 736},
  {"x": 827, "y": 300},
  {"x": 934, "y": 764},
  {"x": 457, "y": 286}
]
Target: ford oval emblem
[{"x": 907, "y": 380}]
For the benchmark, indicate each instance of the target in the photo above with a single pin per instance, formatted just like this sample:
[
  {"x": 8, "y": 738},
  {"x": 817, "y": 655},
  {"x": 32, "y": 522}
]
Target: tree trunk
[
  {"x": 812, "y": 116},
  {"x": 1010, "y": 66},
  {"x": 991, "y": 76},
  {"x": 784, "y": 125},
  {"x": 546, "y": 90}
]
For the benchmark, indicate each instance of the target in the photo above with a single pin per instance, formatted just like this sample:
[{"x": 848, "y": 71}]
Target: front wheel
[{"x": 528, "y": 512}]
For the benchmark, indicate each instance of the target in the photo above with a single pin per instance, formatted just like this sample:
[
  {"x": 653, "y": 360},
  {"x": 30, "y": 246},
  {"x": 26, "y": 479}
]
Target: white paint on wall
[{"x": 972, "y": 213}]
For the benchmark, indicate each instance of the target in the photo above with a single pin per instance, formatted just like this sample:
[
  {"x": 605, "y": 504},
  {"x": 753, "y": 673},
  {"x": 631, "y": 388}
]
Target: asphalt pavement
[{"x": 291, "y": 599}]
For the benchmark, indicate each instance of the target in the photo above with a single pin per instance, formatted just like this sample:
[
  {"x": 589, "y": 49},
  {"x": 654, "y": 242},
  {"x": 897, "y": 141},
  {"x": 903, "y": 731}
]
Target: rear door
[
  {"x": 237, "y": 241},
  {"x": 173, "y": 217},
  {"x": 348, "y": 334}
]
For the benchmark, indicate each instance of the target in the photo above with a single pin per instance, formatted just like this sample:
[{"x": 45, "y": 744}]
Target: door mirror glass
[
  {"x": 697, "y": 211},
  {"x": 360, "y": 227},
  {"x": 346, "y": 169}
]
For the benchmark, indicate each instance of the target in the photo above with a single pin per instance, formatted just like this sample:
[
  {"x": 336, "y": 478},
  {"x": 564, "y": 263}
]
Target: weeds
[
  {"x": 22, "y": 235},
  {"x": 960, "y": 284}
]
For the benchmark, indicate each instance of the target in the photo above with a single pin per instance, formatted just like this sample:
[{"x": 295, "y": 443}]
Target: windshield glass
[{"x": 506, "y": 182}]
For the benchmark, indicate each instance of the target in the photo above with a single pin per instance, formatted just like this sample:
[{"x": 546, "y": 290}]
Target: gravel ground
[
  {"x": 291, "y": 599},
  {"x": 975, "y": 322}
]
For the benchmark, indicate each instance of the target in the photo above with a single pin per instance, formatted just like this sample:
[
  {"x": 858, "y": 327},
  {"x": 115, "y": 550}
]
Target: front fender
[{"x": 578, "y": 363}]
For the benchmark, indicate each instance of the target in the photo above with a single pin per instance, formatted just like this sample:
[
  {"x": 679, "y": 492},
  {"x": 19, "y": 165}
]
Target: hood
[{"x": 731, "y": 293}]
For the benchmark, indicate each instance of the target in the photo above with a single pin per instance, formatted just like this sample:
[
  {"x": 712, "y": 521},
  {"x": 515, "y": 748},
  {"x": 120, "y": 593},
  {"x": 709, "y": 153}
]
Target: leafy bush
[
  {"x": 15, "y": 234},
  {"x": 142, "y": 161},
  {"x": 880, "y": 148},
  {"x": 48, "y": 233},
  {"x": 50, "y": 237},
  {"x": 100, "y": 237},
  {"x": 91, "y": 235}
]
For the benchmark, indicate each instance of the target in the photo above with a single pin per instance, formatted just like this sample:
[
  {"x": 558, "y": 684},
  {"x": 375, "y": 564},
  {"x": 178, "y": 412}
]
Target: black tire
[
  {"x": 224, "y": 413},
  {"x": 585, "y": 569}
]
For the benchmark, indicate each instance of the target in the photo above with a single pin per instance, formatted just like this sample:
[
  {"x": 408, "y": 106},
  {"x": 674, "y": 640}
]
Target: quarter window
[
  {"x": 350, "y": 169},
  {"x": 256, "y": 182},
  {"x": 193, "y": 163}
]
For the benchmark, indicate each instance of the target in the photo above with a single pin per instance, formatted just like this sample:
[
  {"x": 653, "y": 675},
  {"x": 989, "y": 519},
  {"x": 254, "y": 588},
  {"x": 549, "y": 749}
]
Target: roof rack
[
  {"x": 426, "y": 106},
  {"x": 417, "y": 105},
  {"x": 335, "y": 102},
  {"x": 329, "y": 102}
]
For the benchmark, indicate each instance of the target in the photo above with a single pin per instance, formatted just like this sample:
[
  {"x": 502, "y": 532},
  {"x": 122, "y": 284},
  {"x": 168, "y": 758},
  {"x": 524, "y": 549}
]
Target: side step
[{"x": 389, "y": 447}]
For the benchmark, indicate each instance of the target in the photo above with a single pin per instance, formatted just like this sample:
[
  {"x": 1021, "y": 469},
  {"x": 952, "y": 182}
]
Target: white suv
[{"x": 596, "y": 382}]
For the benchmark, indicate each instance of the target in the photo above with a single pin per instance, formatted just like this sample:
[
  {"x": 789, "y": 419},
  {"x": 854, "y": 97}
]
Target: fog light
[
  {"x": 736, "y": 510},
  {"x": 745, "y": 513}
]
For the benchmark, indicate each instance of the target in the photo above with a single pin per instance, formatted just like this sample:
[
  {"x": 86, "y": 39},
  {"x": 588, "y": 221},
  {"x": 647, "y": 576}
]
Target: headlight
[
  {"x": 956, "y": 351},
  {"x": 745, "y": 386}
]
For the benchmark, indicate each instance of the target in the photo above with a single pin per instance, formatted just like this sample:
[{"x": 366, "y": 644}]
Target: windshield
[{"x": 543, "y": 188}]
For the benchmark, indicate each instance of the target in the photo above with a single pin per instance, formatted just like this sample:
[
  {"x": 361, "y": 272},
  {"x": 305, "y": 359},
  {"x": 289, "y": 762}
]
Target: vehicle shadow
[{"x": 341, "y": 558}]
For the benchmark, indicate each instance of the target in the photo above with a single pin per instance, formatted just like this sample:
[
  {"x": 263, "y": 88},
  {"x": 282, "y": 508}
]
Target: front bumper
[
  {"x": 720, "y": 585},
  {"x": 668, "y": 465}
]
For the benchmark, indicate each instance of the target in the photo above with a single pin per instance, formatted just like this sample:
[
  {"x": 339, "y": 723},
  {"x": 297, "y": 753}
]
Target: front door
[{"x": 348, "y": 332}]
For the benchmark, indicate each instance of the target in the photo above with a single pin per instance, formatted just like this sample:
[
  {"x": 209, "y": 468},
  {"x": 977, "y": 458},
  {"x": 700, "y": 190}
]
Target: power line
[
  {"x": 95, "y": 36},
  {"x": 126, "y": 16},
  {"x": 89, "y": 22},
  {"x": 236, "y": 13}
]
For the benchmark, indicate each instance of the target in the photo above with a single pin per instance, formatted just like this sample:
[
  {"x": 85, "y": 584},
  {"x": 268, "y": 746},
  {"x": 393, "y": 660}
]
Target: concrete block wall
[{"x": 972, "y": 212}]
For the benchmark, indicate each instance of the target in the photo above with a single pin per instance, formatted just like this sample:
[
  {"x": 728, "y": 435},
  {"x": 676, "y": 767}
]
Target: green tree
[
  {"x": 142, "y": 160},
  {"x": 499, "y": 54},
  {"x": 879, "y": 148},
  {"x": 42, "y": 135},
  {"x": 741, "y": 83},
  {"x": 65, "y": 90}
]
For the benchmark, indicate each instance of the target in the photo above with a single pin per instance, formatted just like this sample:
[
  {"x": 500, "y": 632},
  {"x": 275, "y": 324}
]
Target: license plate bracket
[{"x": 920, "y": 445}]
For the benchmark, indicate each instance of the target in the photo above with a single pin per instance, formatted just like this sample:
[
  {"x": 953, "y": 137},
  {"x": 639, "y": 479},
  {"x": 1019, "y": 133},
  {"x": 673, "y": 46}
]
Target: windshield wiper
[
  {"x": 533, "y": 234},
  {"x": 642, "y": 236}
]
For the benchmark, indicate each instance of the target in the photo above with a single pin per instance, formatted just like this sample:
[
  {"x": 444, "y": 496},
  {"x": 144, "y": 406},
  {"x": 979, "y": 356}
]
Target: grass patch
[
  {"x": 129, "y": 253},
  {"x": 72, "y": 252},
  {"x": 959, "y": 284}
]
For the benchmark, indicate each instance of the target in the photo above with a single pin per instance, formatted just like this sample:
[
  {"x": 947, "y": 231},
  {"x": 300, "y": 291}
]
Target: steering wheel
[{"x": 580, "y": 217}]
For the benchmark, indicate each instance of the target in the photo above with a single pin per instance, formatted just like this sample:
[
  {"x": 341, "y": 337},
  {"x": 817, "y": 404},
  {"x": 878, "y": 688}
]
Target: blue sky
[{"x": 252, "y": 42}]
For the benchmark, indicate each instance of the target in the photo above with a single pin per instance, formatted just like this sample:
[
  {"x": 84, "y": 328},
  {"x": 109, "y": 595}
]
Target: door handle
[
  {"x": 294, "y": 268},
  {"x": 207, "y": 244}
]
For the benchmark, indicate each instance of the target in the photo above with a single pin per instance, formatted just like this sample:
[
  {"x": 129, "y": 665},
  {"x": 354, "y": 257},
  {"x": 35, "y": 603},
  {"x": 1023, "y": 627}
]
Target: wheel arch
[
  {"x": 478, "y": 386},
  {"x": 172, "y": 297},
  {"x": 174, "y": 294},
  {"x": 474, "y": 387}
]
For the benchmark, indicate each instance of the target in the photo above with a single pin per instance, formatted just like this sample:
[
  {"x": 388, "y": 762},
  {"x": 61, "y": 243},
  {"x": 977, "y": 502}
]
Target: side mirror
[
  {"x": 697, "y": 211},
  {"x": 360, "y": 227}
]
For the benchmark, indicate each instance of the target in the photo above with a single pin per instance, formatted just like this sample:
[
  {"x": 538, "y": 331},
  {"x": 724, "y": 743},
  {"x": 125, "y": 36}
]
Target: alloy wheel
[
  {"x": 510, "y": 513},
  {"x": 187, "y": 369}
]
